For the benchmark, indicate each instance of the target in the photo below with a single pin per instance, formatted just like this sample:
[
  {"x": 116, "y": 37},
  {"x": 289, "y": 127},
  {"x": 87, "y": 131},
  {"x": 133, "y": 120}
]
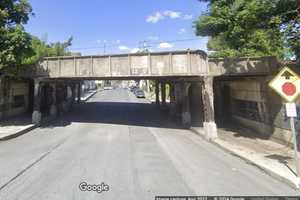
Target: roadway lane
[{"x": 129, "y": 145}]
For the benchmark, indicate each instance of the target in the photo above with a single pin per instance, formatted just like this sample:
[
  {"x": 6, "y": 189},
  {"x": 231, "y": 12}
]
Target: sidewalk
[
  {"x": 15, "y": 126},
  {"x": 88, "y": 95},
  {"x": 274, "y": 158}
]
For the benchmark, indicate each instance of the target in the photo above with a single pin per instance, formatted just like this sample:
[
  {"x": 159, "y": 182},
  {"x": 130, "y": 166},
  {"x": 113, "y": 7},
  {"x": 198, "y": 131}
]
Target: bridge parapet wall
[
  {"x": 176, "y": 63},
  {"x": 243, "y": 66}
]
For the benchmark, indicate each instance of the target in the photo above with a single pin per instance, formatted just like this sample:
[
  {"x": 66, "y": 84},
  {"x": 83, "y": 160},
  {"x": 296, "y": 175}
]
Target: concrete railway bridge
[{"x": 190, "y": 77}]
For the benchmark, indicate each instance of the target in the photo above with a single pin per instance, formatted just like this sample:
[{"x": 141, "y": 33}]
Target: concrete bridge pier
[
  {"x": 209, "y": 125},
  {"x": 178, "y": 101},
  {"x": 53, "y": 107},
  {"x": 78, "y": 92},
  {"x": 73, "y": 89},
  {"x": 172, "y": 100},
  {"x": 157, "y": 92},
  {"x": 37, "y": 115},
  {"x": 185, "y": 111},
  {"x": 163, "y": 94}
]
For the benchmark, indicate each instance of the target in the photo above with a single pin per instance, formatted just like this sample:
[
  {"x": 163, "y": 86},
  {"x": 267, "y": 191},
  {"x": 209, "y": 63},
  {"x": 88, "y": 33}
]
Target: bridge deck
[{"x": 158, "y": 64}]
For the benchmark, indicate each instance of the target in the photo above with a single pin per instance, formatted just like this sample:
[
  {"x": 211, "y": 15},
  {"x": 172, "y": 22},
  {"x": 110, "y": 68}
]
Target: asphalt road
[{"x": 129, "y": 145}]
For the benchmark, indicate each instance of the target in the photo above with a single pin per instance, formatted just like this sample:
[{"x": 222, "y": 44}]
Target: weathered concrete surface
[
  {"x": 159, "y": 64},
  {"x": 36, "y": 117},
  {"x": 128, "y": 144},
  {"x": 243, "y": 66},
  {"x": 156, "y": 64},
  {"x": 9, "y": 90}
]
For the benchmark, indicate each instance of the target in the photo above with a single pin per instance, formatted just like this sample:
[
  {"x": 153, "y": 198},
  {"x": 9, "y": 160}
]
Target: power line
[{"x": 145, "y": 44}]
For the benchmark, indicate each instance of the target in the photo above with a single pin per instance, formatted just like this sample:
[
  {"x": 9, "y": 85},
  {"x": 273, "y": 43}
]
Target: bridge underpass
[
  {"x": 186, "y": 106},
  {"x": 194, "y": 81},
  {"x": 188, "y": 74}
]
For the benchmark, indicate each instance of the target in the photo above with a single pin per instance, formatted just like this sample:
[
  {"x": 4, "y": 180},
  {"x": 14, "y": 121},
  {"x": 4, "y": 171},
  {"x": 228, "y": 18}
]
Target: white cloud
[
  {"x": 123, "y": 48},
  {"x": 158, "y": 16},
  {"x": 187, "y": 17},
  {"x": 172, "y": 14},
  {"x": 154, "y": 18},
  {"x": 181, "y": 31},
  {"x": 134, "y": 50},
  {"x": 165, "y": 45},
  {"x": 118, "y": 41}
]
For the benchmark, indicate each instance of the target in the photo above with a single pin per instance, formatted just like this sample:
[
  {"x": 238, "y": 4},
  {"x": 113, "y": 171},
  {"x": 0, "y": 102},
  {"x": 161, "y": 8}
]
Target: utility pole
[
  {"x": 104, "y": 48},
  {"x": 143, "y": 46}
]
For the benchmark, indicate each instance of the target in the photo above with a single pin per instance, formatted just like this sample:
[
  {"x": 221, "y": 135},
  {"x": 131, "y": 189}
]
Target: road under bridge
[{"x": 189, "y": 75}]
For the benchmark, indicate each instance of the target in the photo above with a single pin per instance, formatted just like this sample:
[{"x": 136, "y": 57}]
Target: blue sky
[{"x": 121, "y": 25}]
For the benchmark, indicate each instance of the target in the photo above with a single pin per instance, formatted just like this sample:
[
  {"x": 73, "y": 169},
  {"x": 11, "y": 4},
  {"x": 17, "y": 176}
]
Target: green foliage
[
  {"x": 42, "y": 49},
  {"x": 251, "y": 27},
  {"x": 15, "y": 42},
  {"x": 18, "y": 49},
  {"x": 14, "y": 12}
]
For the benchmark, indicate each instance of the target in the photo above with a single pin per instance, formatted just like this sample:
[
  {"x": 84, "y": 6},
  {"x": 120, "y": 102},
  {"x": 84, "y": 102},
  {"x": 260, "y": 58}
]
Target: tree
[
  {"x": 14, "y": 41},
  {"x": 290, "y": 16},
  {"x": 60, "y": 48},
  {"x": 251, "y": 27},
  {"x": 42, "y": 49}
]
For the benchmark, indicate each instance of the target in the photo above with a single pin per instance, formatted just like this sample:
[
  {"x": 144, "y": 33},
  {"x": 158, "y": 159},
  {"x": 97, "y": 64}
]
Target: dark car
[{"x": 139, "y": 93}]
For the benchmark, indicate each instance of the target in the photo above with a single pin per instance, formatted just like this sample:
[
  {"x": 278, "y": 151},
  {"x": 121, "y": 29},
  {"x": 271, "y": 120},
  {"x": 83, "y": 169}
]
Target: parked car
[{"x": 139, "y": 93}]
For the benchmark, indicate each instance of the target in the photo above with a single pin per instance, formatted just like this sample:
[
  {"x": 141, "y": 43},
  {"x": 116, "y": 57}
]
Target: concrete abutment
[{"x": 52, "y": 98}]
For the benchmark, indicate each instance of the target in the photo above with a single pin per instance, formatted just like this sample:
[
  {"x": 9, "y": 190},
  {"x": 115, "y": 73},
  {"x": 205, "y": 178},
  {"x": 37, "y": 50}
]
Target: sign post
[
  {"x": 287, "y": 85},
  {"x": 291, "y": 111}
]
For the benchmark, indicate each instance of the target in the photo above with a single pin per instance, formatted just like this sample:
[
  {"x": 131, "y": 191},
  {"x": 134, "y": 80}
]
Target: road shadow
[
  {"x": 237, "y": 130},
  {"x": 279, "y": 158},
  {"x": 20, "y": 120},
  {"x": 118, "y": 113},
  {"x": 282, "y": 159}
]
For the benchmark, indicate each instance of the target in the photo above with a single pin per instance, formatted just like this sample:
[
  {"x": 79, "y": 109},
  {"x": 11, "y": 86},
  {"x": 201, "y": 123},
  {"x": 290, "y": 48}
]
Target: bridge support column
[
  {"x": 185, "y": 114},
  {"x": 37, "y": 115},
  {"x": 148, "y": 85},
  {"x": 209, "y": 125},
  {"x": 73, "y": 88},
  {"x": 53, "y": 108},
  {"x": 172, "y": 100},
  {"x": 178, "y": 101},
  {"x": 79, "y": 92},
  {"x": 163, "y": 94},
  {"x": 157, "y": 92}
]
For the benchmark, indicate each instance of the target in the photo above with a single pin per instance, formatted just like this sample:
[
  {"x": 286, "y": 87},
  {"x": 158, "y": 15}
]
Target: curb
[
  {"x": 264, "y": 169},
  {"x": 26, "y": 130},
  {"x": 22, "y": 132},
  {"x": 17, "y": 134},
  {"x": 89, "y": 96}
]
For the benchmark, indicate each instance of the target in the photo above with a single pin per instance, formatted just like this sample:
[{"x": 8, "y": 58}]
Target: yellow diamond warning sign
[{"x": 286, "y": 84}]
